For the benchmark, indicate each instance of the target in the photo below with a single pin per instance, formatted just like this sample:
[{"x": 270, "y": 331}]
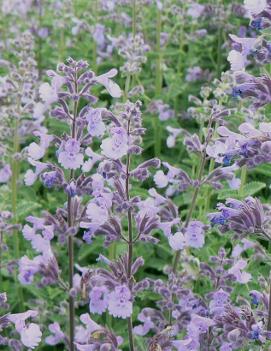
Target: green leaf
[
  {"x": 252, "y": 188},
  {"x": 249, "y": 189},
  {"x": 25, "y": 208},
  {"x": 226, "y": 193},
  {"x": 264, "y": 169}
]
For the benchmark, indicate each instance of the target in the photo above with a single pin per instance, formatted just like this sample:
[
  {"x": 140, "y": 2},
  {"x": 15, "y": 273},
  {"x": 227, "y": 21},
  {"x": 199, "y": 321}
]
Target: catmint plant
[
  {"x": 21, "y": 115},
  {"x": 110, "y": 206},
  {"x": 146, "y": 220},
  {"x": 69, "y": 86}
]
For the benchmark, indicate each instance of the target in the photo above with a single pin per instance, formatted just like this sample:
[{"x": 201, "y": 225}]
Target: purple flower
[
  {"x": 238, "y": 56},
  {"x": 195, "y": 10},
  {"x": 39, "y": 235},
  {"x": 236, "y": 60},
  {"x": 96, "y": 126},
  {"x": 93, "y": 158},
  {"x": 160, "y": 179},
  {"x": 173, "y": 134},
  {"x": 147, "y": 325},
  {"x": 98, "y": 299},
  {"x": 194, "y": 234},
  {"x": 49, "y": 93},
  {"x": 5, "y": 174},
  {"x": 119, "y": 302},
  {"x": 30, "y": 175},
  {"x": 177, "y": 241},
  {"x": 199, "y": 325},
  {"x": 255, "y": 7},
  {"x": 218, "y": 302},
  {"x": 164, "y": 111},
  {"x": 116, "y": 146},
  {"x": 112, "y": 87},
  {"x": 69, "y": 155},
  {"x": 242, "y": 217},
  {"x": 30, "y": 333},
  {"x": 87, "y": 340},
  {"x": 36, "y": 151},
  {"x": 57, "y": 336},
  {"x": 28, "y": 268},
  {"x": 50, "y": 179},
  {"x": 237, "y": 271}
]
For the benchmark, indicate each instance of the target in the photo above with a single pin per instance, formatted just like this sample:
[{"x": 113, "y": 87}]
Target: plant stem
[
  {"x": 130, "y": 243},
  {"x": 127, "y": 87},
  {"x": 196, "y": 191},
  {"x": 158, "y": 84},
  {"x": 70, "y": 238},
  {"x": 192, "y": 207},
  {"x": 1, "y": 248},
  {"x": 39, "y": 59},
  {"x": 269, "y": 308},
  {"x": 243, "y": 180},
  {"x": 94, "y": 52},
  {"x": 112, "y": 257},
  {"x": 134, "y": 18},
  {"x": 14, "y": 187}
]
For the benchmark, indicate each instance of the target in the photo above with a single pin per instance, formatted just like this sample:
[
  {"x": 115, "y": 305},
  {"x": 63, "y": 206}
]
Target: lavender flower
[
  {"x": 241, "y": 217},
  {"x": 30, "y": 333}
]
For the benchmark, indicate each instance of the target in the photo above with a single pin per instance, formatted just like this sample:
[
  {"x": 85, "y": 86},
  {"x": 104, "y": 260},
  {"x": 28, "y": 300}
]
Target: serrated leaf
[
  {"x": 249, "y": 189},
  {"x": 252, "y": 188},
  {"x": 226, "y": 193},
  {"x": 264, "y": 169},
  {"x": 25, "y": 208}
]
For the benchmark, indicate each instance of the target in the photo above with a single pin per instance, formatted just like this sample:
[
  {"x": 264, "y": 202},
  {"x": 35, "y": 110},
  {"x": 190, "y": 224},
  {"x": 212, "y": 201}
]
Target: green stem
[
  {"x": 14, "y": 199},
  {"x": 243, "y": 180},
  {"x": 134, "y": 18},
  {"x": 39, "y": 59},
  {"x": 127, "y": 87},
  {"x": 130, "y": 243},
  {"x": 70, "y": 238},
  {"x": 219, "y": 50},
  {"x": 192, "y": 207},
  {"x": 94, "y": 53},
  {"x": 14, "y": 186},
  {"x": 195, "y": 193},
  {"x": 112, "y": 257},
  {"x": 269, "y": 307},
  {"x": 1, "y": 249},
  {"x": 158, "y": 85},
  {"x": 61, "y": 55},
  {"x": 209, "y": 191},
  {"x": 180, "y": 63}
]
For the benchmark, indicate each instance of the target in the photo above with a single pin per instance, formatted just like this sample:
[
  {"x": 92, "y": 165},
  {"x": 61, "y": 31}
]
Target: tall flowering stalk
[
  {"x": 130, "y": 234},
  {"x": 18, "y": 104},
  {"x": 193, "y": 144},
  {"x": 70, "y": 85}
]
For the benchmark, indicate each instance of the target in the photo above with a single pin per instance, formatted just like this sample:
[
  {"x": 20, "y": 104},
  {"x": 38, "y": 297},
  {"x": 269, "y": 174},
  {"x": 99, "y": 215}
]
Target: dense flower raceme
[
  {"x": 113, "y": 290},
  {"x": 133, "y": 50},
  {"x": 89, "y": 124},
  {"x": 21, "y": 113},
  {"x": 200, "y": 318},
  {"x": 250, "y": 147},
  {"x": 242, "y": 217},
  {"x": 20, "y": 86},
  {"x": 69, "y": 85},
  {"x": 110, "y": 202},
  {"x": 247, "y": 85}
]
